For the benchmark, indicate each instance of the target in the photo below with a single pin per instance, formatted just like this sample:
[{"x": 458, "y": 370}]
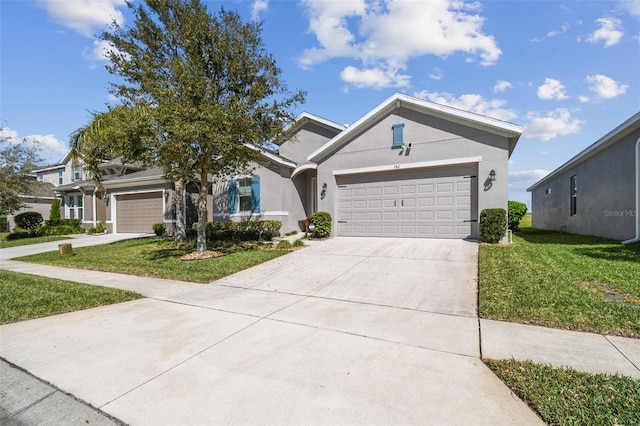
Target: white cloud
[
  {"x": 384, "y": 34},
  {"x": 552, "y": 89},
  {"x": 436, "y": 74},
  {"x": 471, "y": 102},
  {"x": 563, "y": 29},
  {"x": 258, "y": 7},
  {"x": 555, "y": 123},
  {"x": 632, "y": 7},
  {"x": 544, "y": 153},
  {"x": 609, "y": 32},
  {"x": 584, "y": 99},
  {"x": 85, "y": 16},
  {"x": 605, "y": 87},
  {"x": 49, "y": 145},
  {"x": 375, "y": 78},
  {"x": 501, "y": 86}
]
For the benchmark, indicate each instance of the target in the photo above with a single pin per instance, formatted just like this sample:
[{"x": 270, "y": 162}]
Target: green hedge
[
  {"x": 28, "y": 220},
  {"x": 493, "y": 225},
  {"x": 246, "y": 230},
  {"x": 516, "y": 211},
  {"x": 322, "y": 222}
]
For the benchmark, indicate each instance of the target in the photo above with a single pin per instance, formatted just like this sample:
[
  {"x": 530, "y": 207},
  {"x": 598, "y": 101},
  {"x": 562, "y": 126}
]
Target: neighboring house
[
  {"x": 595, "y": 192},
  {"x": 407, "y": 168},
  {"x": 39, "y": 201}
]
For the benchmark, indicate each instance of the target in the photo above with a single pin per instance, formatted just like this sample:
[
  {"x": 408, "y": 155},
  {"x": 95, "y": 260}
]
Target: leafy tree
[
  {"x": 16, "y": 162},
  {"x": 214, "y": 94},
  {"x": 516, "y": 211}
]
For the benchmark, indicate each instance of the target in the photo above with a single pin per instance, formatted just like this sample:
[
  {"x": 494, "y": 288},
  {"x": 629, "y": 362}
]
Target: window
[
  {"x": 40, "y": 177},
  {"x": 60, "y": 177},
  {"x": 79, "y": 208},
  {"x": 72, "y": 207},
  {"x": 77, "y": 172},
  {"x": 548, "y": 191},
  {"x": 398, "y": 140},
  {"x": 574, "y": 195},
  {"x": 244, "y": 195}
]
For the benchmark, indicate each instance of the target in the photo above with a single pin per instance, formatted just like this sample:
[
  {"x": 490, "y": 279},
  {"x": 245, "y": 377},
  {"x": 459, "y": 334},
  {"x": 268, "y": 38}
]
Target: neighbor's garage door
[
  {"x": 436, "y": 203},
  {"x": 138, "y": 212}
]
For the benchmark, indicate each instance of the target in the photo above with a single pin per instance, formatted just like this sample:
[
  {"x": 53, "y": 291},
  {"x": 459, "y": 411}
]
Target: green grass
[
  {"x": 568, "y": 397},
  {"x": 26, "y": 241},
  {"x": 24, "y": 296},
  {"x": 560, "y": 280},
  {"x": 155, "y": 258}
]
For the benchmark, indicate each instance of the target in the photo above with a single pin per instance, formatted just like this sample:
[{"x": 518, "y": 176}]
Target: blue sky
[{"x": 568, "y": 72}]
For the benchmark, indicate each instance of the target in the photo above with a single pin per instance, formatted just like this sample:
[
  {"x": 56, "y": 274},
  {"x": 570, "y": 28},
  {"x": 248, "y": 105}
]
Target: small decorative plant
[{"x": 159, "y": 229}]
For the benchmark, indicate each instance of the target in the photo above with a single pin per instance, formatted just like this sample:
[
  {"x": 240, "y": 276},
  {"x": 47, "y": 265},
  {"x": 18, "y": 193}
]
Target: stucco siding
[
  {"x": 605, "y": 195},
  {"x": 433, "y": 139},
  {"x": 307, "y": 139}
]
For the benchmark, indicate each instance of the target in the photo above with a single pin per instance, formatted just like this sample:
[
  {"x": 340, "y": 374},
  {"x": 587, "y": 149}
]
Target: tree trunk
[
  {"x": 202, "y": 213},
  {"x": 181, "y": 234}
]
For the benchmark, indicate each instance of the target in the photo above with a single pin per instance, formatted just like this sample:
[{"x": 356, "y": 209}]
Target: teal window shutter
[
  {"x": 233, "y": 196},
  {"x": 397, "y": 135},
  {"x": 255, "y": 194}
]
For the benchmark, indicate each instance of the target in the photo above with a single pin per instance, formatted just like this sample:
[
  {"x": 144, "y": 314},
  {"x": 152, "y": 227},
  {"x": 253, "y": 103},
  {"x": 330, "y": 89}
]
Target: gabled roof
[
  {"x": 492, "y": 125},
  {"x": 607, "y": 140},
  {"x": 306, "y": 117},
  {"x": 278, "y": 159}
]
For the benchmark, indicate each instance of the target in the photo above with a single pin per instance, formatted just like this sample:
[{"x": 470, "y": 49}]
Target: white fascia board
[
  {"x": 272, "y": 157},
  {"x": 302, "y": 168},
  {"x": 319, "y": 120},
  {"x": 409, "y": 166},
  {"x": 613, "y": 136},
  {"x": 398, "y": 99},
  {"x": 48, "y": 169}
]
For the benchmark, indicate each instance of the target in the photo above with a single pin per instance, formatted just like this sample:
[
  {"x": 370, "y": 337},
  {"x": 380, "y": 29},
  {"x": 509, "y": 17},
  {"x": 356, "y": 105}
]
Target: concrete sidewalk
[{"x": 318, "y": 336}]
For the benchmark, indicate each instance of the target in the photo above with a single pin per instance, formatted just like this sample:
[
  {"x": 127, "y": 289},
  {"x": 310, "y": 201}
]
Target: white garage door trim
[
  {"x": 123, "y": 198},
  {"x": 425, "y": 203},
  {"x": 409, "y": 166}
]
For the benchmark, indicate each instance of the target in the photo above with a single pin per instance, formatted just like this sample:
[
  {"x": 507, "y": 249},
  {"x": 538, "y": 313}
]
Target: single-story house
[
  {"x": 597, "y": 191},
  {"x": 407, "y": 168},
  {"x": 38, "y": 201}
]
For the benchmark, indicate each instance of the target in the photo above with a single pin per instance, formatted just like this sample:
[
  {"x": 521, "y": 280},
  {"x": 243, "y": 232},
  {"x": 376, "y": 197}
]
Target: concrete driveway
[{"x": 346, "y": 331}]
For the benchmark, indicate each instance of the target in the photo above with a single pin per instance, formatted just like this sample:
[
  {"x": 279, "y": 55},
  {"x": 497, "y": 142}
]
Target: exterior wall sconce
[{"x": 492, "y": 175}]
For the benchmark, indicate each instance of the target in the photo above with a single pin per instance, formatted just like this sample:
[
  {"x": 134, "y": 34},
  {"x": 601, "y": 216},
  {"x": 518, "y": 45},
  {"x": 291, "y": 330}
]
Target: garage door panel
[
  {"x": 138, "y": 212},
  {"x": 433, "y": 203}
]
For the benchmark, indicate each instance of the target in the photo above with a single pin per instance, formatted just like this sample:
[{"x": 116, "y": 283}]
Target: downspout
[{"x": 637, "y": 212}]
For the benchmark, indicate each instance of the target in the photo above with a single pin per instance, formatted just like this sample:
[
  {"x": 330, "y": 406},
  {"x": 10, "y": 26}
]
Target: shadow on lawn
[
  {"x": 626, "y": 253},
  {"x": 539, "y": 236}
]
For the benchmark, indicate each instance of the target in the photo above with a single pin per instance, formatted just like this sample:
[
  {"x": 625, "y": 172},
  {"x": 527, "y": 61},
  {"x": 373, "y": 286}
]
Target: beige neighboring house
[{"x": 40, "y": 201}]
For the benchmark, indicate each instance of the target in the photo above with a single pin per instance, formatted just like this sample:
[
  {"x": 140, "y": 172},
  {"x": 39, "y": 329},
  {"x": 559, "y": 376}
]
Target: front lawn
[
  {"x": 26, "y": 241},
  {"x": 156, "y": 258},
  {"x": 564, "y": 396},
  {"x": 562, "y": 280},
  {"x": 24, "y": 296}
]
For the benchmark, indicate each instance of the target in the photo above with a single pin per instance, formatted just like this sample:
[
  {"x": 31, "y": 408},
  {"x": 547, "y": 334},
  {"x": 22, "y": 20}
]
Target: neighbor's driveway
[{"x": 347, "y": 331}]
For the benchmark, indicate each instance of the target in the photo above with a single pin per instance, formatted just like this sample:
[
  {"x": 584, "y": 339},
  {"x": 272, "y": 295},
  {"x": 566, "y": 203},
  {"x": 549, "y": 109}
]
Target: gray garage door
[
  {"x": 435, "y": 203},
  {"x": 138, "y": 212}
]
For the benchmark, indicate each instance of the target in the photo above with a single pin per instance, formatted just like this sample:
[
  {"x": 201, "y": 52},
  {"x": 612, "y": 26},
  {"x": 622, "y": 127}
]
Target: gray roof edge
[
  {"x": 613, "y": 136},
  {"x": 511, "y": 129}
]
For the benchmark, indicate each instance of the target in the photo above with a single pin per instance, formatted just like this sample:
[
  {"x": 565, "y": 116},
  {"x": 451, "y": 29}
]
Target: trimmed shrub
[
  {"x": 493, "y": 225},
  {"x": 54, "y": 213},
  {"x": 322, "y": 222},
  {"x": 516, "y": 211},
  {"x": 74, "y": 223},
  {"x": 247, "y": 230},
  {"x": 298, "y": 243},
  {"x": 91, "y": 231},
  {"x": 284, "y": 245},
  {"x": 101, "y": 227},
  {"x": 159, "y": 229},
  {"x": 28, "y": 220}
]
